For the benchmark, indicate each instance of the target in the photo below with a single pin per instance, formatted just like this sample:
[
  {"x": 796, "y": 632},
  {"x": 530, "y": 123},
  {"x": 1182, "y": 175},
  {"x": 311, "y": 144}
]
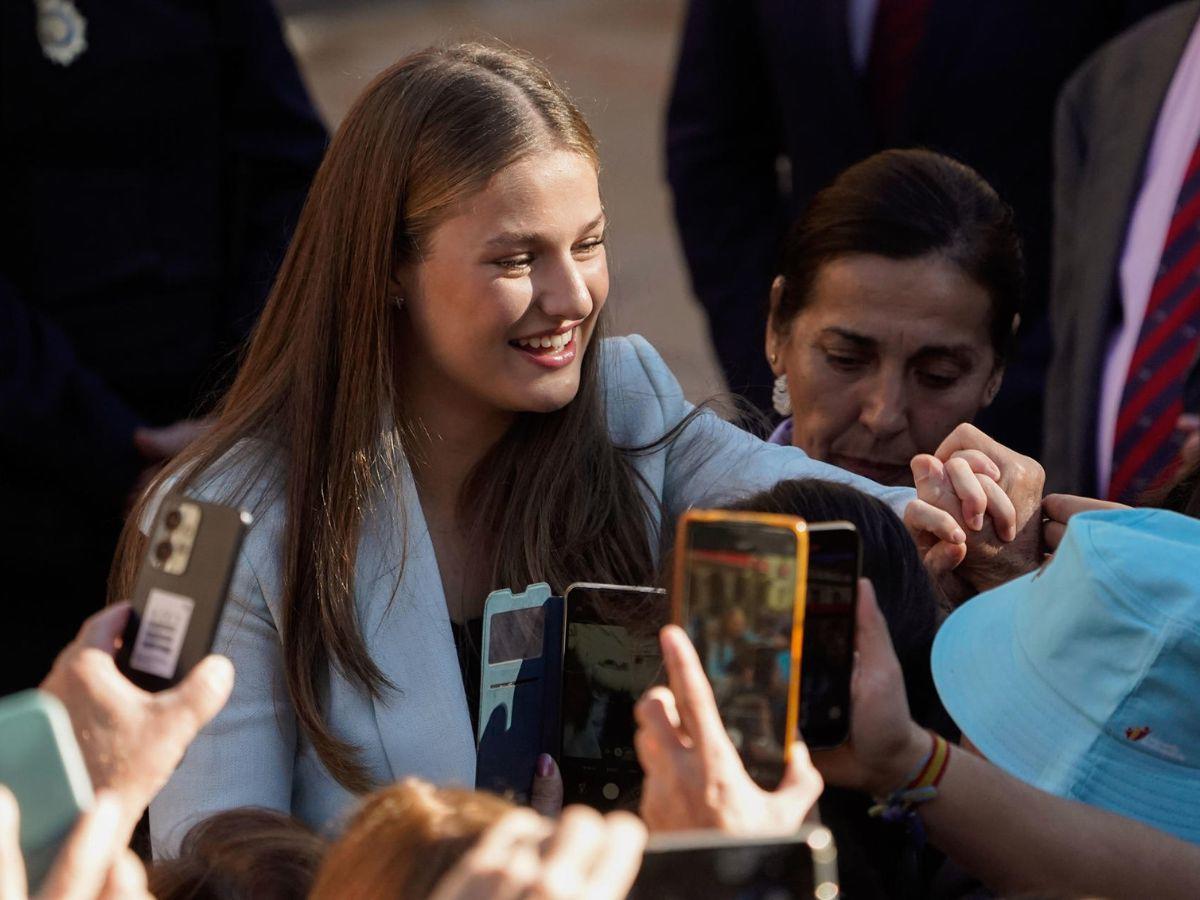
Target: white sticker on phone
[{"x": 160, "y": 639}]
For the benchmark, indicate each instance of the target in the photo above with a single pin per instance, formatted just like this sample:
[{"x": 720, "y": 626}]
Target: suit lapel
[
  {"x": 1119, "y": 138},
  {"x": 423, "y": 724}
]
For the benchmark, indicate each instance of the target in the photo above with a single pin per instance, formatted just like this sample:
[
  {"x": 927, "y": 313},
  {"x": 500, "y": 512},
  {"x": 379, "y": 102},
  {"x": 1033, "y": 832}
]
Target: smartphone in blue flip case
[{"x": 520, "y": 683}]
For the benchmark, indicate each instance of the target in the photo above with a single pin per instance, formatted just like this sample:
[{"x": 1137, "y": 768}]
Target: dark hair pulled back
[{"x": 904, "y": 204}]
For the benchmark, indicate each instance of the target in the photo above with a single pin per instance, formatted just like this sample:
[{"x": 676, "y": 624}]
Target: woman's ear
[
  {"x": 775, "y": 343},
  {"x": 992, "y": 388}
]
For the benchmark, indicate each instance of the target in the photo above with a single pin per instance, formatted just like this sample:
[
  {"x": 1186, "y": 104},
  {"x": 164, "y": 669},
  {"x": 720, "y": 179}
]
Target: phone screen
[
  {"x": 611, "y": 656},
  {"x": 828, "y": 654},
  {"x": 739, "y": 607},
  {"x": 517, "y": 634}
]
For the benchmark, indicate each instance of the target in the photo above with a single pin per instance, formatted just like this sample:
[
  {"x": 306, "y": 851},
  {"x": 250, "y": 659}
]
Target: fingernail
[
  {"x": 959, "y": 536},
  {"x": 977, "y": 522},
  {"x": 545, "y": 766}
]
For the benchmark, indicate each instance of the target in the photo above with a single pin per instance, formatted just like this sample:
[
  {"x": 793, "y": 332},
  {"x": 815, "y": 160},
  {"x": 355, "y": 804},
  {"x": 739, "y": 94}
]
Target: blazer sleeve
[
  {"x": 711, "y": 461},
  {"x": 245, "y": 755},
  {"x": 55, "y": 412},
  {"x": 722, "y": 142},
  {"x": 1070, "y": 157},
  {"x": 274, "y": 142}
]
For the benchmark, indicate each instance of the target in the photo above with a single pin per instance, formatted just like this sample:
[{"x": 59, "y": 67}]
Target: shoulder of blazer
[
  {"x": 1161, "y": 36},
  {"x": 642, "y": 397}
]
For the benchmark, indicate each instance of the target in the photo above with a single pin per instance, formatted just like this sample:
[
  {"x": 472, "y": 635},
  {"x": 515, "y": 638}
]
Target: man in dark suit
[
  {"x": 153, "y": 158},
  {"x": 821, "y": 84},
  {"x": 1125, "y": 309}
]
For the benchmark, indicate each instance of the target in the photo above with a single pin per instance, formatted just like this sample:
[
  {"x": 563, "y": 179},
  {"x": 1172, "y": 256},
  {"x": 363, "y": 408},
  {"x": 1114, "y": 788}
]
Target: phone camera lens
[
  {"x": 163, "y": 551},
  {"x": 173, "y": 519}
]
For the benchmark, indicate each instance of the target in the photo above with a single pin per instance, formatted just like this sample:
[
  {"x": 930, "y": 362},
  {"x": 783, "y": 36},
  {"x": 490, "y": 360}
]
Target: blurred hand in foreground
[
  {"x": 582, "y": 855},
  {"x": 93, "y": 862},
  {"x": 131, "y": 739},
  {"x": 694, "y": 777}
]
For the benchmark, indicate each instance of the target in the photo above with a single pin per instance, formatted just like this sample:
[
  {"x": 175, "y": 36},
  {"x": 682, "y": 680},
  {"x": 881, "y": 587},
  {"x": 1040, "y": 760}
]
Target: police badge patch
[{"x": 62, "y": 31}]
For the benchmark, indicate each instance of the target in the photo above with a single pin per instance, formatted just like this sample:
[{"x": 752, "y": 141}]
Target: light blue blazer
[{"x": 254, "y": 754}]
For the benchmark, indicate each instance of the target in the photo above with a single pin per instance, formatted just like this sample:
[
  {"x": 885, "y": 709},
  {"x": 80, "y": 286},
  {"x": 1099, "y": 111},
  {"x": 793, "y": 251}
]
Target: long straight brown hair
[{"x": 317, "y": 384}]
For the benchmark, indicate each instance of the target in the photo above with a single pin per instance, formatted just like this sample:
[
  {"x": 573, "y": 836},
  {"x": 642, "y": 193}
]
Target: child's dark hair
[{"x": 241, "y": 854}]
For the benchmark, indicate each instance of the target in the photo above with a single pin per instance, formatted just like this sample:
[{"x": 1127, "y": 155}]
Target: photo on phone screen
[
  {"x": 611, "y": 655},
  {"x": 827, "y": 660},
  {"x": 740, "y": 584}
]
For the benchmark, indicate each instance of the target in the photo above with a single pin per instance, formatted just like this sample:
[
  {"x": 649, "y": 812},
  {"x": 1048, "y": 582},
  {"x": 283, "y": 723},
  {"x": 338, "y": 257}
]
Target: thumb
[
  {"x": 872, "y": 642},
  {"x": 191, "y": 704},
  {"x": 801, "y": 778},
  {"x": 546, "y": 797}
]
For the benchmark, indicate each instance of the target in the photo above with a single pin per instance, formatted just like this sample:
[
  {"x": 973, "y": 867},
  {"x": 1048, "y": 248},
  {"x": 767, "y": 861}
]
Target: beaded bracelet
[{"x": 920, "y": 787}]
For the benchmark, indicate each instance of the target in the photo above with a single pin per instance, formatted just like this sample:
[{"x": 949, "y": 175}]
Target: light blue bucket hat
[{"x": 1084, "y": 678}]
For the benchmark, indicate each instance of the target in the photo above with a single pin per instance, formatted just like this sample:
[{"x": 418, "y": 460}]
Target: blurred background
[{"x": 616, "y": 58}]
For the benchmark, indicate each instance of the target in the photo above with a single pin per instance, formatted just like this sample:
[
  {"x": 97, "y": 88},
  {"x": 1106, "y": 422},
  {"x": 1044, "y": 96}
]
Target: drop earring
[
  {"x": 397, "y": 301},
  {"x": 780, "y": 398}
]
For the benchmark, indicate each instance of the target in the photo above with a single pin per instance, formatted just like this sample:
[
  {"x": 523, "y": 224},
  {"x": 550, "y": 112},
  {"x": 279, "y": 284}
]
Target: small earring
[
  {"x": 773, "y": 358},
  {"x": 397, "y": 301},
  {"x": 780, "y": 398}
]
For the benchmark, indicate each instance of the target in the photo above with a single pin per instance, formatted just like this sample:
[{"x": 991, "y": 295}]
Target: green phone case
[{"x": 41, "y": 764}]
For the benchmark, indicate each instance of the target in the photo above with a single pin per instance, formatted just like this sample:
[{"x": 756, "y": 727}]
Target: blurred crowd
[{"x": 949, "y": 256}]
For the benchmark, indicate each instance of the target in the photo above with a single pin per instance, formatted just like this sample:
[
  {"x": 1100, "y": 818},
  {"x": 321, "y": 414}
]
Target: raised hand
[
  {"x": 131, "y": 739},
  {"x": 583, "y": 855},
  {"x": 93, "y": 864},
  {"x": 694, "y": 777}
]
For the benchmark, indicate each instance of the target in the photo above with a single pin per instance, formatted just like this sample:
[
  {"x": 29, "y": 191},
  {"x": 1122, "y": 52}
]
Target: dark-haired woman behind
[{"x": 893, "y": 312}]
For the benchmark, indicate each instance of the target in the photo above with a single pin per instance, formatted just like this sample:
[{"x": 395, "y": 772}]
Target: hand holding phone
[
  {"x": 131, "y": 740},
  {"x": 739, "y": 593},
  {"x": 694, "y": 776}
]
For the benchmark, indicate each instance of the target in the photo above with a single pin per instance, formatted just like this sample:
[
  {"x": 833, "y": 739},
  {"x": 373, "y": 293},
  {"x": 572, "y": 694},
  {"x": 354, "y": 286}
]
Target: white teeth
[{"x": 547, "y": 341}]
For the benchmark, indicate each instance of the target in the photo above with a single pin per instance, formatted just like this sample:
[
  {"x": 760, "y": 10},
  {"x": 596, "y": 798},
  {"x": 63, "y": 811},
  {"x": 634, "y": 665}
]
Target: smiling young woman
[{"x": 425, "y": 413}]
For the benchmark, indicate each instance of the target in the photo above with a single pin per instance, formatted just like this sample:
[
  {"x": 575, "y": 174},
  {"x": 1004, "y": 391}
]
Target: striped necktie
[{"x": 1146, "y": 447}]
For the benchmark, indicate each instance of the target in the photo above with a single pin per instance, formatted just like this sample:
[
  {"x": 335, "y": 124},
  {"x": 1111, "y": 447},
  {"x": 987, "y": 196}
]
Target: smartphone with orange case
[{"x": 740, "y": 583}]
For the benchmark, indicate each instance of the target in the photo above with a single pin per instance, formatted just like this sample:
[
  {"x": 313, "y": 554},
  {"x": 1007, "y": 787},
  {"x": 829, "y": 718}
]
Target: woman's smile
[{"x": 552, "y": 349}]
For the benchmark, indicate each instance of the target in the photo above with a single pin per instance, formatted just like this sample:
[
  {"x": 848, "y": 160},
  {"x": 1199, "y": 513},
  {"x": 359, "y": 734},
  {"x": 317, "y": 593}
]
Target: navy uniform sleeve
[
  {"x": 55, "y": 410},
  {"x": 274, "y": 142}
]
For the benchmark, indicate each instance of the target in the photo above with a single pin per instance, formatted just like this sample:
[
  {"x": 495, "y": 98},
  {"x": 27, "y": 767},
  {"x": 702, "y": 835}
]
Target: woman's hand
[
  {"x": 694, "y": 778},
  {"x": 1058, "y": 509},
  {"x": 885, "y": 744},
  {"x": 131, "y": 739},
  {"x": 1003, "y": 544},
  {"x": 93, "y": 862},
  {"x": 583, "y": 855}
]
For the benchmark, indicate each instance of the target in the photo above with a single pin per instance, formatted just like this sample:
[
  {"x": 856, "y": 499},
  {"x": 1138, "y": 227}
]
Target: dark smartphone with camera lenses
[
  {"x": 611, "y": 655},
  {"x": 180, "y": 590},
  {"x": 834, "y": 565}
]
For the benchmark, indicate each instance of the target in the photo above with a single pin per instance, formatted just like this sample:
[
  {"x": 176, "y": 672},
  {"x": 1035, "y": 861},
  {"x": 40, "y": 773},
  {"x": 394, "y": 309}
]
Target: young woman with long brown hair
[{"x": 425, "y": 413}]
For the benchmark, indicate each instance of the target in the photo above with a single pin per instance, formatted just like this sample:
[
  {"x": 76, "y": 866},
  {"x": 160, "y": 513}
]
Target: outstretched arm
[{"x": 1011, "y": 835}]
